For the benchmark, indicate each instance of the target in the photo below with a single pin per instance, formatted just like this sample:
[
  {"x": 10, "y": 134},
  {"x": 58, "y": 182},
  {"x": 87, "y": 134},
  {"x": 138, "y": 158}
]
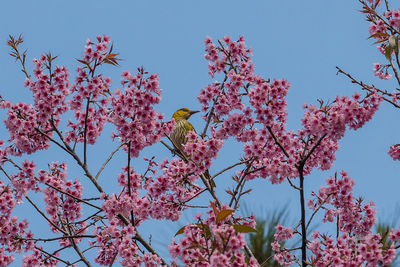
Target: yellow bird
[{"x": 182, "y": 127}]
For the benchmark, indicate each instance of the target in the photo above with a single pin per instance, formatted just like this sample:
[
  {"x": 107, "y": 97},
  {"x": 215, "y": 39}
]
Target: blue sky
[{"x": 301, "y": 41}]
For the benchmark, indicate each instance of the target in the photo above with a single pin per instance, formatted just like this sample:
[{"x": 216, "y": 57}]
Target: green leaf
[
  {"x": 240, "y": 228},
  {"x": 223, "y": 214},
  {"x": 204, "y": 227},
  {"x": 388, "y": 53},
  {"x": 378, "y": 34},
  {"x": 180, "y": 231},
  {"x": 380, "y": 41},
  {"x": 214, "y": 208}
]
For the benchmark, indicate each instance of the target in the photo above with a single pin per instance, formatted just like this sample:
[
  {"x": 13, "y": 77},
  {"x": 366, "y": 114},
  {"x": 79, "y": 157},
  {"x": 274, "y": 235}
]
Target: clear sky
[{"x": 301, "y": 41}]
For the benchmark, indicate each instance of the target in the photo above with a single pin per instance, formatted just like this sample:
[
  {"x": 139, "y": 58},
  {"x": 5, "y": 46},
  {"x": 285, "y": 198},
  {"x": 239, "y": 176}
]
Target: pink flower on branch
[
  {"x": 243, "y": 105},
  {"x": 133, "y": 113},
  {"x": 355, "y": 244},
  {"x": 213, "y": 241}
]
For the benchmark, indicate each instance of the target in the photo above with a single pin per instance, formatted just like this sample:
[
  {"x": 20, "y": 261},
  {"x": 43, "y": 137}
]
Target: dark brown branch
[
  {"x": 277, "y": 141},
  {"x": 303, "y": 220},
  {"x": 75, "y": 246},
  {"x": 303, "y": 161}
]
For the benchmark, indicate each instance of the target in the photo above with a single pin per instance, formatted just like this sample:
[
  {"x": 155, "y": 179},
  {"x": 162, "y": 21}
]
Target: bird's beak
[{"x": 193, "y": 112}]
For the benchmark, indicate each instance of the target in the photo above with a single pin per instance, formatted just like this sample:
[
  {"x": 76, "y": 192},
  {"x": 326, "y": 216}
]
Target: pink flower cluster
[
  {"x": 323, "y": 126},
  {"x": 49, "y": 90},
  {"x": 37, "y": 258},
  {"x": 211, "y": 243},
  {"x": 381, "y": 71},
  {"x": 96, "y": 52},
  {"x": 24, "y": 180},
  {"x": 218, "y": 61},
  {"x": 395, "y": 235},
  {"x": 90, "y": 95},
  {"x": 332, "y": 119},
  {"x": 11, "y": 231},
  {"x": 5, "y": 259},
  {"x": 349, "y": 250},
  {"x": 378, "y": 27},
  {"x": 178, "y": 180},
  {"x": 60, "y": 205},
  {"x": 133, "y": 114},
  {"x": 354, "y": 217},
  {"x": 25, "y": 121},
  {"x": 201, "y": 152},
  {"x": 164, "y": 195},
  {"x": 282, "y": 255},
  {"x": 23, "y": 127},
  {"x": 394, "y": 152},
  {"x": 243, "y": 105},
  {"x": 393, "y": 17},
  {"x": 113, "y": 241},
  {"x": 236, "y": 125},
  {"x": 356, "y": 244},
  {"x": 235, "y": 60},
  {"x": 268, "y": 99}
]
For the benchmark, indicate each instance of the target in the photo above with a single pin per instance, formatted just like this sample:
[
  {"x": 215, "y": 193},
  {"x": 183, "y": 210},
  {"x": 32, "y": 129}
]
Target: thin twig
[
  {"x": 108, "y": 159},
  {"x": 228, "y": 168},
  {"x": 292, "y": 185},
  {"x": 53, "y": 256},
  {"x": 312, "y": 215},
  {"x": 44, "y": 216},
  {"x": 58, "y": 238},
  {"x": 203, "y": 133},
  {"x": 387, "y": 5},
  {"x": 54, "y": 141},
  {"x": 14, "y": 45},
  {"x": 367, "y": 87},
  {"x": 78, "y": 160},
  {"x": 72, "y": 196}
]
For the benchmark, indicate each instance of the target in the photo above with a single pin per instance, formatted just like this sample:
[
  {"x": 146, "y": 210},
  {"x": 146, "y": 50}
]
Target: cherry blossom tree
[{"x": 71, "y": 109}]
